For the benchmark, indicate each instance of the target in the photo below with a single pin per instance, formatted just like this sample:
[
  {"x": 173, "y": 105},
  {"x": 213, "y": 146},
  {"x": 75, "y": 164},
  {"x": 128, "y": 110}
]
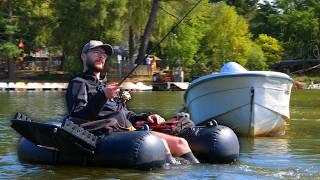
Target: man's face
[{"x": 95, "y": 59}]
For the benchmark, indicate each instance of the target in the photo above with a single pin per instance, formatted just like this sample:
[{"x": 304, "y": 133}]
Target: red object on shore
[
  {"x": 37, "y": 50},
  {"x": 21, "y": 44},
  {"x": 297, "y": 85}
]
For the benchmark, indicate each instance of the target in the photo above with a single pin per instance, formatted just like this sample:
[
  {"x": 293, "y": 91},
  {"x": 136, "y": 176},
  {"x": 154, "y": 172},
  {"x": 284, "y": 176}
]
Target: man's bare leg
[
  {"x": 178, "y": 146},
  {"x": 169, "y": 158}
]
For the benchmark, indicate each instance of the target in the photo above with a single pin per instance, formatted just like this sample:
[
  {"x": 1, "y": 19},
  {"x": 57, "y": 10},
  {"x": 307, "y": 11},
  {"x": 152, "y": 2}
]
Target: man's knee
[
  {"x": 181, "y": 146},
  {"x": 182, "y": 142}
]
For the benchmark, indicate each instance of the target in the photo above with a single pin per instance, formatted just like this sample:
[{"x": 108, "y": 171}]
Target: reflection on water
[
  {"x": 164, "y": 103},
  {"x": 275, "y": 157},
  {"x": 270, "y": 145},
  {"x": 40, "y": 105},
  {"x": 295, "y": 155}
]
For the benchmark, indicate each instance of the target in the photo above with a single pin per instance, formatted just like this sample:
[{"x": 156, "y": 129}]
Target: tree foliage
[
  {"x": 217, "y": 31},
  {"x": 226, "y": 39},
  {"x": 8, "y": 28},
  {"x": 271, "y": 48},
  {"x": 256, "y": 58},
  {"x": 298, "y": 30},
  {"x": 134, "y": 23},
  {"x": 35, "y": 23},
  {"x": 294, "y": 23},
  {"x": 9, "y": 50},
  {"x": 246, "y": 8},
  {"x": 183, "y": 43},
  {"x": 80, "y": 21}
]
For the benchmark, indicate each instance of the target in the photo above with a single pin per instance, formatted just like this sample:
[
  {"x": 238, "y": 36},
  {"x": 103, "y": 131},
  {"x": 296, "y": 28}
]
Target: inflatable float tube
[
  {"x": 54, "y": 143},
  {"x": 140, "y": 150},
  {"x": 213, "y": 143},
  {"x": 49, "y": 143}
]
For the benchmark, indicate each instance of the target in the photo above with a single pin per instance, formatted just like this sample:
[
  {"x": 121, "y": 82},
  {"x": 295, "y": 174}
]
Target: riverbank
[
  {"x": 307, "y": 79},
  {"x": 37, "y": 76}
]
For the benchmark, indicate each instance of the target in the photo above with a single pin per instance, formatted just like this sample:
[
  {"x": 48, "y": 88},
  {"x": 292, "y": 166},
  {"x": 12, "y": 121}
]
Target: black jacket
[{"x": 86, "y": 100}]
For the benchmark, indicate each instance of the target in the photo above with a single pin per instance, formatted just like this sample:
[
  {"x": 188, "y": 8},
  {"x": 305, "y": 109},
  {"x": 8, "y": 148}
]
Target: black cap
[{"x": 94, "y": 43}]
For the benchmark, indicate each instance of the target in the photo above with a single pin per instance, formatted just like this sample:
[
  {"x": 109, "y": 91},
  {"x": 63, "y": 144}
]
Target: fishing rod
[{"x": 158, "y": 44}]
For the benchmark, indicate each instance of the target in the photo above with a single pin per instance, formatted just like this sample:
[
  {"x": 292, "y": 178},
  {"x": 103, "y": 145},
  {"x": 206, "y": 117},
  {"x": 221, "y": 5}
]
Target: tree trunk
[
  {"x": 148, "y": 31},
  {"x": 132, "y": 46},
  {"x": 11, "y": 68},
  {"x": 63, "y": 61},
  {"x": 11, "y": 64}
]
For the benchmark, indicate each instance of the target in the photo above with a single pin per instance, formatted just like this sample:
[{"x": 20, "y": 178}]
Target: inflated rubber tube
[
  {"x": 138, "y": 149},
  {"x": 215, "y": 144}
]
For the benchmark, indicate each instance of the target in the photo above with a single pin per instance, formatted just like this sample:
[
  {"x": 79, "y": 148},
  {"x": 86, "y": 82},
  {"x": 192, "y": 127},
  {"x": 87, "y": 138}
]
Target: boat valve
[
  {"x": 183, "y": 115},
  {"x": 212, "y": 123},
  {"x": 145, "y": 127}
]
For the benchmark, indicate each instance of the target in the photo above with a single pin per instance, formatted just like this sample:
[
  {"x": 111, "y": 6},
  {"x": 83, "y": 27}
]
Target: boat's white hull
[{"x": 252, "y": 103}]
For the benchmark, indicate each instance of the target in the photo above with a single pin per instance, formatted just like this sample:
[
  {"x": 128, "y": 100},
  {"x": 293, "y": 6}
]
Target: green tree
[
  {"x": 297, "y": 30},
  {"x": 35, "y": 23},
  {"x": 256, "y": 59},
  {"x": 28, "y": 20},
  {"x": 246, "y": 8},
  {"x": 212, "y": 35},
  {"x": 226, "y": 39},
  {"x": 8, "y": 49},
  {"x": 80, "y": 21},
  {"x": 182, "y": 45},
  {"x": 294, "y": 23},
  {"x": 271, "y": 48},
  {"x": 135, "y": 20},
  {"x": 148, "y": 30},
  {"x": 259, "y": 24}
]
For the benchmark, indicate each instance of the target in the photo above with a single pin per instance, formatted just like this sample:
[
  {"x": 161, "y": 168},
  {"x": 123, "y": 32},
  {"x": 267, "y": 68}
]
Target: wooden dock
[
  {"x": 32, "y": 86},
  {"x": 173, "y": 86}
]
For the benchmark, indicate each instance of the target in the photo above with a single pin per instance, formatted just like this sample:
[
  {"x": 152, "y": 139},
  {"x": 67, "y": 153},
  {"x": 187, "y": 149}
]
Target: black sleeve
[{"x": 80, "y": 105}]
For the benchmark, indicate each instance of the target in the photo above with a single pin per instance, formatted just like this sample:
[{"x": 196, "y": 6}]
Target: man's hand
[
  {"x": 111, "y": 90},
  {"x": 155, "y": 119}
]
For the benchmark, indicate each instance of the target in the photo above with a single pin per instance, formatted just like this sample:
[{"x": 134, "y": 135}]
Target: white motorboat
[
  {"x": 139, "y": 86},
  {"x": 252, "y": 103}
]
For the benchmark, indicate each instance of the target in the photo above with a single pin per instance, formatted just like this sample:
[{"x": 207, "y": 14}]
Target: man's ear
[{"x": 84, "y": 57}]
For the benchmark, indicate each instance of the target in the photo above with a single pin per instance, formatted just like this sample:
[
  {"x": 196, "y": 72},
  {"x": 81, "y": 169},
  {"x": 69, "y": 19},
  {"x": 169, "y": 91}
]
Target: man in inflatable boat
[{"x": 91, "y": 104}]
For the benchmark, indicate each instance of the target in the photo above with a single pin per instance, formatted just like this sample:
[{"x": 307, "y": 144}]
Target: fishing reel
[{"x": 123, "y": 97}]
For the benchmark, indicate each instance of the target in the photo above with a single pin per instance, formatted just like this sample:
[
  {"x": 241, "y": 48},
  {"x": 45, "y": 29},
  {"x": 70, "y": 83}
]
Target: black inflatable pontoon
[
  {"x": 213, "y": 143},
  {"x": 53, "y": 143}
]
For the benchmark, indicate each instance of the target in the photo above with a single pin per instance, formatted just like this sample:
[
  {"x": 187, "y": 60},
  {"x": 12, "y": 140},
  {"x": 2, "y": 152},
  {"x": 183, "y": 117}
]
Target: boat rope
[{"x": 158, "y": 44}]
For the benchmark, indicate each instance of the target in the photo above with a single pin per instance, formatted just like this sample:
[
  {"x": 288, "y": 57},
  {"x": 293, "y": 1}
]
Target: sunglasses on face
[{"x": 98, "y": 53}]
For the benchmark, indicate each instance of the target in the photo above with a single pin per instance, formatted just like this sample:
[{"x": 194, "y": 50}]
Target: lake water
[{"x": 293, "y": 156}]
